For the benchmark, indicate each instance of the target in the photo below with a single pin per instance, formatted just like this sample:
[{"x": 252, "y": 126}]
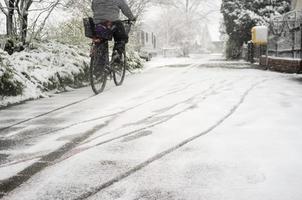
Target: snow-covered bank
[
  {"x": 46, "y": 67},
  {"x": 43, "y": 67}
]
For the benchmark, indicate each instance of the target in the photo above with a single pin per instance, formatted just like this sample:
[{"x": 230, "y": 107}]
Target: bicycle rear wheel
[
  {"x": 98, "y": 74},
  {"x": 119, "y": 70}
]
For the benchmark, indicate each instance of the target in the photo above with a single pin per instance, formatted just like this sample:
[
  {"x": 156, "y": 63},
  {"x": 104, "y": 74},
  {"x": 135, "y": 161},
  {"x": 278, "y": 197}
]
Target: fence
[
  {"x": 284, "y": 38},
  {"x": 252, "y": 52}
]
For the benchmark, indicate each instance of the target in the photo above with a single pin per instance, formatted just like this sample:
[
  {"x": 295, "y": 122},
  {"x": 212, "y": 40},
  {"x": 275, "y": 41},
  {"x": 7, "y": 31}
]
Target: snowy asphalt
[{"x": 182, "y": 129}]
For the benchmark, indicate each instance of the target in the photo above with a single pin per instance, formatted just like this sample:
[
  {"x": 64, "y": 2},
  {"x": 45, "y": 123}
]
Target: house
[{"x": 147, "y": 42}]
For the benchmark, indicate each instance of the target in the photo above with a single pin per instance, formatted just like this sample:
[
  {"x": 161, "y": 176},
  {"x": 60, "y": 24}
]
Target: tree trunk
[
  {"x": 9, "y": 25},
  {"x": 9, "y": 18},
  {"x": 24, "y": 25},
  {"x": 22, "y": 7}
]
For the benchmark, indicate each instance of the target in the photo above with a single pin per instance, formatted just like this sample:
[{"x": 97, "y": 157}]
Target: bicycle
[{"x": 101, "y": 67}]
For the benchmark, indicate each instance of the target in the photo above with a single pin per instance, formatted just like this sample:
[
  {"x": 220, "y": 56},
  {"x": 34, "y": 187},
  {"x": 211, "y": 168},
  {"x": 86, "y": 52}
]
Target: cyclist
[{"x": 106, "y": 13}]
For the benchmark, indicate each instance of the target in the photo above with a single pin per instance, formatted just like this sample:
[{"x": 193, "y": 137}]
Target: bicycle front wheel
[
  {"x": 119, "y": 70},
  {"x": 98, "y": 75}
]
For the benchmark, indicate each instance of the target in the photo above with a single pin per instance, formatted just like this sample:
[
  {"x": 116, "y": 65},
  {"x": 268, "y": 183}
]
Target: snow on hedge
[
  {"x": 133, "y": 60},
  {"x": 31, "y": 73},
  {"x": 42, "y": 67}
]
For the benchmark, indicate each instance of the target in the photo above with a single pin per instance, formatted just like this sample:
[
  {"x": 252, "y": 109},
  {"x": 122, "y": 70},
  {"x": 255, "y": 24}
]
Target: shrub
[
  {"x": 134, "y": 61},
  {"x": 9, "y": 86}
]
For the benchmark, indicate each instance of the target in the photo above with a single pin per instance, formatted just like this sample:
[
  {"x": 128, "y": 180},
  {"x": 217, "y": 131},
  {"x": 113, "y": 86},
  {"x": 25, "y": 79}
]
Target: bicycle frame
[
  {"x": 104, "y": 44},
  {"x": 101, "y": 68},
  {"x": 101, "y": 48}
]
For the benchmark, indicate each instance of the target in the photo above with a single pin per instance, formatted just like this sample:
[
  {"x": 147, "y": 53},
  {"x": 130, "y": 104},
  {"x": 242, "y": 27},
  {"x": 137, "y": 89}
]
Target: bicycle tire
[
  {"x": 119, "y": 74},
  {"x": 97, "y": 73}
]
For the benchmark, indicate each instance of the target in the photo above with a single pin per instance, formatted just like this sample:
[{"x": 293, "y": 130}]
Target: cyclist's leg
[
  {"x": 120, "y": 37},
  {"x": 101, "y": 57}
]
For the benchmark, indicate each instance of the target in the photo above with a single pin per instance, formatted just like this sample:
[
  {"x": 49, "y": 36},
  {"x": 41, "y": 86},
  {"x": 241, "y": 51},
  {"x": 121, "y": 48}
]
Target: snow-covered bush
[
  {"x": 133, "y": 60},
  {"x": 43, "y": 67},
  {"x": 52, "y": 65},
  {"x": 9, "y": 84}
]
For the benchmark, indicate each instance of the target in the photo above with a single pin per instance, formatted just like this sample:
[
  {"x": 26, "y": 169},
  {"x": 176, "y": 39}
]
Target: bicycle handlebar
[{"x": 129, "y": 21}]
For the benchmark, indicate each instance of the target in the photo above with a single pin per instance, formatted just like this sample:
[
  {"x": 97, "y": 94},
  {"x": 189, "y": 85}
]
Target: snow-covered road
[{"x": 182, "y": 129}]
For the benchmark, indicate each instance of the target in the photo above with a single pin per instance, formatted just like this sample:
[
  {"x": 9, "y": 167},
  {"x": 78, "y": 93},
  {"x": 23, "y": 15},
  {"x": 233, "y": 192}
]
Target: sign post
[{"x": 260, "y": 38}]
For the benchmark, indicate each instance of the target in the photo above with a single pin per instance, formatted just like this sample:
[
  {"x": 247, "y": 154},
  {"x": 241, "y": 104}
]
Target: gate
[{"x": 284, "y": 37}]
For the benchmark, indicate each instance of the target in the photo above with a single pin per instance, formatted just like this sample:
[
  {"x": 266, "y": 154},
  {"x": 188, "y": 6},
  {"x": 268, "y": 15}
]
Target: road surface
[{"x": 199, "y": 129}]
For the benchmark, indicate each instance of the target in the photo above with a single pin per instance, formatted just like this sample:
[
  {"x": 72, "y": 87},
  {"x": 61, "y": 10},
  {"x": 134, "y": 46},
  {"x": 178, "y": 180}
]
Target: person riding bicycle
[{"x": 106, "y": 13}]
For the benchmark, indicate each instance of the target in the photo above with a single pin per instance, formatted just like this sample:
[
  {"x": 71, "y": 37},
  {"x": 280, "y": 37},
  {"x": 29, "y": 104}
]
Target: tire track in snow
[
  {"x": 209, "y": 89},
  {"x": 57, "y": 156},
  {"x": 168, "y": 151},
  {"x": 108, "y": 115},
  {"x": 44, "y": 114},
  {"x": 91, "y": 120},
  {"x": 103, "y": 117},
  {"x": 59, "y": 108},
  {"x": 13, "y": 182},
  {"x": 167, "y": 118},
  {"x": 116, "y": 116}
]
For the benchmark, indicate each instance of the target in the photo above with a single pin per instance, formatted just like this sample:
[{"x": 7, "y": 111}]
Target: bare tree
[
  {"x": 22, "y": 7},
  {"x": 39, "y": 22},
  {"x": 139, "y": 6},
  {"x": 17, "y": 14},
  {"x": 8, "y": 11},
  {"x": 83, "y": 7},
  {"x": 182, "y": 21}
]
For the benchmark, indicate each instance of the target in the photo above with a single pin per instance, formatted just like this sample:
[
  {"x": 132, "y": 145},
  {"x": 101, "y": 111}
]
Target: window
[
  {"x": 143, "y": 38},
  {"x": 154, "y": 42}
]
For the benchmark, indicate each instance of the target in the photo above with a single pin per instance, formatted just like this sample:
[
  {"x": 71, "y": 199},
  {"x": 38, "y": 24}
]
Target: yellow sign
[{"x": 259, "y": 35}]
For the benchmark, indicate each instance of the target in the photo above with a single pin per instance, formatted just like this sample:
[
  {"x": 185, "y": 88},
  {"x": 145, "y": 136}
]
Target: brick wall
[{"x": 281, "y": 65}]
